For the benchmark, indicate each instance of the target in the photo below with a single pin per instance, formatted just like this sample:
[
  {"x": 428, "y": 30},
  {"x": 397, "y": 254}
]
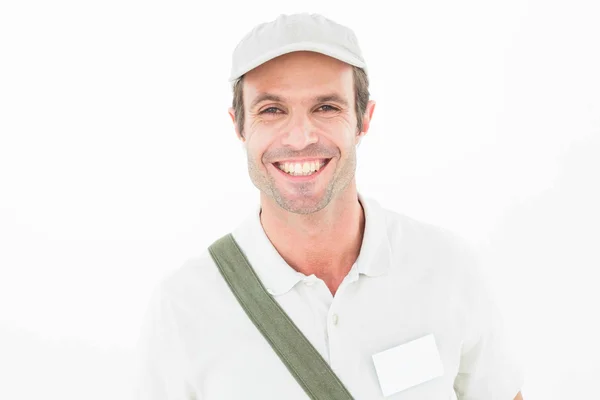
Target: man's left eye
[{"x": 327, "y": 107}]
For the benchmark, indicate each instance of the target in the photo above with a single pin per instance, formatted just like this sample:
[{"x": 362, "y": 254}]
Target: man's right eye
[{"x": 270, "y": 110}]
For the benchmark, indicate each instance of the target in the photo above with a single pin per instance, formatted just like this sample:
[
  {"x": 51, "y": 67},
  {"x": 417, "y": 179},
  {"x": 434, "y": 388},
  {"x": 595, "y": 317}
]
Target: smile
[{"x": 302, "y": 169}]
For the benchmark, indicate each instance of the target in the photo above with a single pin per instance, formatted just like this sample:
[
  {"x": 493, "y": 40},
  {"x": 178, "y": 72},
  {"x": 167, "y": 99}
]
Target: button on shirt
[{"x": 410, "y": 280}]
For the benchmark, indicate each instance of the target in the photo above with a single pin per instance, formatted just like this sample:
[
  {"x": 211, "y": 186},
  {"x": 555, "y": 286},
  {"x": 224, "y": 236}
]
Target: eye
[
  {"x": 270, "y": 110},
  {"x": 327, "y": 107}
]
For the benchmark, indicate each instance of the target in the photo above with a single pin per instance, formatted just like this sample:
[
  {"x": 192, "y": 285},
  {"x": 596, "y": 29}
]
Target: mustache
[{"x": 309, "y": 152}]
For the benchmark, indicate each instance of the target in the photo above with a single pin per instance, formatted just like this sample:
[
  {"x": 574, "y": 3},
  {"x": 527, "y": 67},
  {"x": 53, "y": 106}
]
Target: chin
[{"x": 301, "y": 204}]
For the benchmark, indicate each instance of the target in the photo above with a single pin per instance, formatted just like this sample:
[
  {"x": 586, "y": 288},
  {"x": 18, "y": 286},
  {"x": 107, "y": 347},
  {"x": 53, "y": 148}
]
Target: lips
[{"x": 300, "y": 178}]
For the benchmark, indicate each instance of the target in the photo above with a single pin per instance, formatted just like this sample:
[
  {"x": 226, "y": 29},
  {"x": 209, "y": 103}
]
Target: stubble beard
[{"x": 267, "y": 184}]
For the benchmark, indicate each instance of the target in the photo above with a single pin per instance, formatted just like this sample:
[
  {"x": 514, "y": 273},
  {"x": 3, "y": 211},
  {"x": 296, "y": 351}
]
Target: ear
[
  {"x": 367, "y": 117},
  {"x": 235, "y": 126}
]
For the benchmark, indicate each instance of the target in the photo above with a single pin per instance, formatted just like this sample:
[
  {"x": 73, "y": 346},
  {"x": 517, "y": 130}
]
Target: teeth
[{"x": 303, "y": 169}]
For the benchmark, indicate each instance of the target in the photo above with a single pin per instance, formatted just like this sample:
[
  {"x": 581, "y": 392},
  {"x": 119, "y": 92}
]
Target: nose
[{"x": 299, "y": 132}]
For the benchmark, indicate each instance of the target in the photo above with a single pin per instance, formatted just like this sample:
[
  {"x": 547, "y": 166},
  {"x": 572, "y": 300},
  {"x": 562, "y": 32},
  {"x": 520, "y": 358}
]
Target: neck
[{"x": 325, "y": 243}]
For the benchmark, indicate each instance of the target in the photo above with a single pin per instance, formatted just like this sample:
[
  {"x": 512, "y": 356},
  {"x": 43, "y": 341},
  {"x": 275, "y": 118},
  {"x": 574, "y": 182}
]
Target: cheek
[
  {"x": 263, "y": 132},
  {"x": 338, "y": 131},
  {"x": 256, "y": 146},
  {"x": 261, "y": 129}
]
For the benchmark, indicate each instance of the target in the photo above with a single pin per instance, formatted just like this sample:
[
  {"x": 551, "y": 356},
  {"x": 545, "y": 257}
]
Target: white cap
[{"x": 297, "y": 32}]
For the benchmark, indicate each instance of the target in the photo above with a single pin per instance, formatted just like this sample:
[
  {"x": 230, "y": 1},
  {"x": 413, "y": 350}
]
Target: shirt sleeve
[
  {"x": 159, "y": 363},
  {"x": 488, "y": 369}
]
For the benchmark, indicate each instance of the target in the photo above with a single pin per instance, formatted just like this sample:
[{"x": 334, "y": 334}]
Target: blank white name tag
[{"x": 408, "y": 364}]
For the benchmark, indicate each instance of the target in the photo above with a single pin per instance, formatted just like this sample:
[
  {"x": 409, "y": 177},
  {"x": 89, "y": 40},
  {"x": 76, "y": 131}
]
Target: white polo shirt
[{"x": 410, "y": 280}]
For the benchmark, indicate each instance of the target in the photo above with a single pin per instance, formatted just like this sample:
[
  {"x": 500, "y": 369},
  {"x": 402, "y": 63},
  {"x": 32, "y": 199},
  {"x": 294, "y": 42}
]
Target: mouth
[{"x": 302, "y": 171}]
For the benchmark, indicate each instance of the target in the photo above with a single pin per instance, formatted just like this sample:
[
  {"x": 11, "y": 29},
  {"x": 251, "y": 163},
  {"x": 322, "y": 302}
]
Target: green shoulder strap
[{"x": 304, "y": 362}]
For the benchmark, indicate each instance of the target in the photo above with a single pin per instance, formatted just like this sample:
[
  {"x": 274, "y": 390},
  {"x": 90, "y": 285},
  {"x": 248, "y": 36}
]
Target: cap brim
[{"x": 330, "y": 51}]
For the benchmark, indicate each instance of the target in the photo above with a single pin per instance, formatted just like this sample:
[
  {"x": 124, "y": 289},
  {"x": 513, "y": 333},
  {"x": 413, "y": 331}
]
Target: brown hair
[{"x": 361, "y": 98}]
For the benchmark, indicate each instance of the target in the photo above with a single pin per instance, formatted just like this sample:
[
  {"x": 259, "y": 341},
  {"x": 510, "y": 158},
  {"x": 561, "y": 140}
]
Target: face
[{"x": 300, "y": 129}]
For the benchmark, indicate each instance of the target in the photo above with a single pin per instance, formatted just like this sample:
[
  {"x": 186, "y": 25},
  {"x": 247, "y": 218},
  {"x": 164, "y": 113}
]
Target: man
[{"x": 367, "y": 287}]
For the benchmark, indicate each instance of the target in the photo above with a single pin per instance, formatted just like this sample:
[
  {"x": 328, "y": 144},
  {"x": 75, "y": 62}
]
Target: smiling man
[
  {"x": 321, "y": 293},
  {"x": 301, "y": 135}
]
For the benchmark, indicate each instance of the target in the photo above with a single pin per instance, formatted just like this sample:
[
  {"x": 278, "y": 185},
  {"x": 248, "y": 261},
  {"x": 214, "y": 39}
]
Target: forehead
[{"x": 300, "y": 75}]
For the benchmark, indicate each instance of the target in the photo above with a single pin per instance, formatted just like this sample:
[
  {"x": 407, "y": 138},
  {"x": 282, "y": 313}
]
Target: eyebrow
[
  {"x": 331, "y": 97},
  {"x": 265, "y": 97}
]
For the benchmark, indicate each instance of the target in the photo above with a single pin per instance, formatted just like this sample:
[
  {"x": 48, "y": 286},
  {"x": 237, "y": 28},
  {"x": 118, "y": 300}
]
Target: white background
[{"x": 118, "y": 162}]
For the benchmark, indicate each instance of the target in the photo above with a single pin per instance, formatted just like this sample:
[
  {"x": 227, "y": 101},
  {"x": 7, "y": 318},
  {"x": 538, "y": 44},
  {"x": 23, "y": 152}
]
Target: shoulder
[
  {"x": 194, "y": 274},
  {"x": 196, "y": 291},
  {"x": 446, "y": 265},
  {"x": 191, "y": 320},
  {"x": 431, "y": 247}
]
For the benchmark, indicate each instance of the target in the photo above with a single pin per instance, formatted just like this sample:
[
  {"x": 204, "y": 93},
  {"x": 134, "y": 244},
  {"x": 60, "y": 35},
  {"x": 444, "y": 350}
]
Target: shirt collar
[
  {"x": 278, "y": 277},
  {"x": 375, "y": 254}
]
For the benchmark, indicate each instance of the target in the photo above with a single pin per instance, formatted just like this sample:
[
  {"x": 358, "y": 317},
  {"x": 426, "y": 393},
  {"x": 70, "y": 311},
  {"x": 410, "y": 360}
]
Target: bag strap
[{"x": 299, "y": 356}]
